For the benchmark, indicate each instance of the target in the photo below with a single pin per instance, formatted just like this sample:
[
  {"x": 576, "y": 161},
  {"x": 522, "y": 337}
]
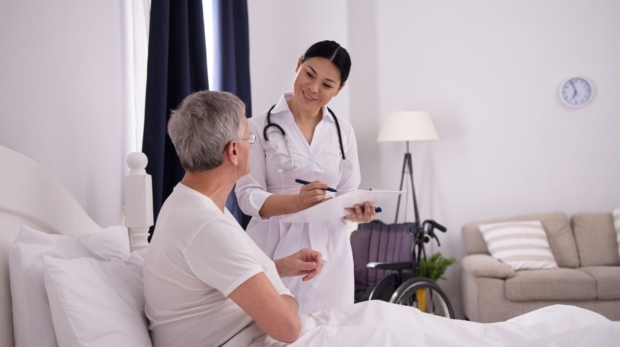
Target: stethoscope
[{"x": 345, "y": 164}]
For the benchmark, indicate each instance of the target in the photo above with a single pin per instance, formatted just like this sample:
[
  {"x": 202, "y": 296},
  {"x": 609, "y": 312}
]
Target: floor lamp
[{"x": 407, "y": 126}]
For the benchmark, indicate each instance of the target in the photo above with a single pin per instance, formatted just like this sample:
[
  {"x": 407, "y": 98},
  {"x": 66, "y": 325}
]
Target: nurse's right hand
[{"x": 311, "y": 194}]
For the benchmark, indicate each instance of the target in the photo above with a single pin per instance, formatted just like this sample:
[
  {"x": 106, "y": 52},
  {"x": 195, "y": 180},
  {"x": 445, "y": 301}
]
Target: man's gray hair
[{"x": 203, "y": 125}]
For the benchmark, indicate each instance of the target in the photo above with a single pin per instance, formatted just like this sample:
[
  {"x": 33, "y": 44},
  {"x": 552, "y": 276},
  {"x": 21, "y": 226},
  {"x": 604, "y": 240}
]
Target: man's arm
[{"x": 277, "y": 315}]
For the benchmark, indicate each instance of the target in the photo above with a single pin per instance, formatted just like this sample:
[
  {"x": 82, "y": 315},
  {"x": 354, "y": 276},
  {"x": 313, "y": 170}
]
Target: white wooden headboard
[{"x": 30, "y": 195}]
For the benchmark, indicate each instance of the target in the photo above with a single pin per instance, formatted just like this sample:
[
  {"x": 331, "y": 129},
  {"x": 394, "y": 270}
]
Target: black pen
[{"x": 306, "y": 182}]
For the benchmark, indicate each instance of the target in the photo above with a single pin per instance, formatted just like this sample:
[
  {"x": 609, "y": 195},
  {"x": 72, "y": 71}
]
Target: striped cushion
[
  {"x": 617, "y": 226},
  {"x": 521, "y": 245}
]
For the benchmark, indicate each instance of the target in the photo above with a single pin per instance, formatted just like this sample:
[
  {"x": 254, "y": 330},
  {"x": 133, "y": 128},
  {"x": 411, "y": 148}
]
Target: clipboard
[{"x": 333, "y": 209}]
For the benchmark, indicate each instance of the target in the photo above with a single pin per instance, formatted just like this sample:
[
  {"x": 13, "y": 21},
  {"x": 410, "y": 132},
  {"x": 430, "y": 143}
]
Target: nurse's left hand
[
  {"x": 307, "y": 263},
  {"x": 360, "y": 214}
]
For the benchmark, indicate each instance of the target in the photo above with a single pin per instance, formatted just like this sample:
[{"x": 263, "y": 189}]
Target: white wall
[
  {"x": 61, "y": 95},
  {"x": 489, "y": 74}
]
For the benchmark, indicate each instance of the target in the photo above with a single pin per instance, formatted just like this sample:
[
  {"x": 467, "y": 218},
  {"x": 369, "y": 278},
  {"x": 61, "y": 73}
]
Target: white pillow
[
  {"x": 97, "y": 303},
  {"x": 32, "y": 319},
  {"x": 521, "y": 245},
  {"x": 616, "y": 215}
]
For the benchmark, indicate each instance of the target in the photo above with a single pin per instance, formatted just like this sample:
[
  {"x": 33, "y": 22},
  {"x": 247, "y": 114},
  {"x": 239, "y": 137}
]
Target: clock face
[{"x": 576, "y": 92}]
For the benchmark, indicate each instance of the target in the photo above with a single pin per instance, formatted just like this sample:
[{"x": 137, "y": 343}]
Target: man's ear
[{"x": 232, "y": 152}]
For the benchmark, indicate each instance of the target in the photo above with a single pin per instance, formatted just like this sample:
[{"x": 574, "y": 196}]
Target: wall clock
[{"x": 576, "y": 92}]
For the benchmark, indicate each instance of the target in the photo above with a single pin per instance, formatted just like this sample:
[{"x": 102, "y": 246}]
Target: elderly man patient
[{"x": 203, "y": 274}]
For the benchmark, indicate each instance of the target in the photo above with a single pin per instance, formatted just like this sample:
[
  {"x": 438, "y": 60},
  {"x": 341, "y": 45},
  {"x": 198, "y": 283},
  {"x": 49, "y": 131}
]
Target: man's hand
[{"x": 305, "y": 262}]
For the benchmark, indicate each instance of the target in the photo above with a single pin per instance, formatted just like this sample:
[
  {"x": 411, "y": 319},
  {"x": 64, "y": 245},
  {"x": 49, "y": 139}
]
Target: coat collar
[{"x": 282, "y": 106}]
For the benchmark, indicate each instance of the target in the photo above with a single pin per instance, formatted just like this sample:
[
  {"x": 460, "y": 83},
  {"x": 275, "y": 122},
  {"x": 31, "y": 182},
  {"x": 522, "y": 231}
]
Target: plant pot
[{"x": 421, "y": 296}]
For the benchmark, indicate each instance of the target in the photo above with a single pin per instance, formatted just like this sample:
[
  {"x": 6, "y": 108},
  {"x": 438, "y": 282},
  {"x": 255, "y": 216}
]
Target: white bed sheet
[{"x": 380, "y": 324}]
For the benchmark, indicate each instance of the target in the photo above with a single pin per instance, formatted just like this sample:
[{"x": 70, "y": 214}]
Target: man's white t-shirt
[{"x": 197, "y": 257}]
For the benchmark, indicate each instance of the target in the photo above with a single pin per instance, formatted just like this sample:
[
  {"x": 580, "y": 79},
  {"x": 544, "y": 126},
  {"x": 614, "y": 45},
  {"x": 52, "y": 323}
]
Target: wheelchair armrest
[{"x": 389, "y": 266}]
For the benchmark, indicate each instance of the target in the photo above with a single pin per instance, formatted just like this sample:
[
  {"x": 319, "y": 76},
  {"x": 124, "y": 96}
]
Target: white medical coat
[{"x": 316, "y": 161}]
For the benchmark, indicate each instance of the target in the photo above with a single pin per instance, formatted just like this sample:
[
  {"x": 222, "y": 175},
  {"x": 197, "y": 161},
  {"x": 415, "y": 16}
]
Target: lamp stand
[{"x": 408, "y": 168}]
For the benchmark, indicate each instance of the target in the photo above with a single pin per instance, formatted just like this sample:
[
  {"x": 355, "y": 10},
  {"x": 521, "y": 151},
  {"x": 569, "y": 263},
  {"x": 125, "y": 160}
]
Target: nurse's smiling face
[{"x": 317, "y": 82}]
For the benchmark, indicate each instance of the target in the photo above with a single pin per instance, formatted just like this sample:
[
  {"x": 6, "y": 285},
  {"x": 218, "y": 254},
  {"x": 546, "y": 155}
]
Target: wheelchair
[{"x": 387, "y": 263}]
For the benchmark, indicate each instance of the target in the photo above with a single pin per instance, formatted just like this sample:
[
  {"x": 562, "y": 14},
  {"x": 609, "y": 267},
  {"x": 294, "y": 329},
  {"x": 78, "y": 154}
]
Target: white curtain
[
  {"x": 141, "y": 16},
  {"x": 137, "y": 14},
  {"x": 207, "y": 12}
]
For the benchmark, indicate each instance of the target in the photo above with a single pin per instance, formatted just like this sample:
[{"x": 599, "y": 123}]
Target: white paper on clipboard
[{"x": 333, "y": 209}]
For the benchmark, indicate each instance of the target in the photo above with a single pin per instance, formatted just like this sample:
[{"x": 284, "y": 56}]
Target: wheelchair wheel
[{"x": 425, "y": 295}]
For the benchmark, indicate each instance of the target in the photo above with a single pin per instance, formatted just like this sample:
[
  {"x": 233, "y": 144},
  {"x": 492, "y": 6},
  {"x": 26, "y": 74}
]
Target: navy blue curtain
[
  {"x": 232, "y": 61},
  {"x": 177, "y": 67}
]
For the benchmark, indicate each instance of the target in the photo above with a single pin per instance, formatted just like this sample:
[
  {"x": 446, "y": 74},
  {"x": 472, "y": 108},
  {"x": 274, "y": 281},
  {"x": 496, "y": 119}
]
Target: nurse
[{"x": 300, "y": 138}]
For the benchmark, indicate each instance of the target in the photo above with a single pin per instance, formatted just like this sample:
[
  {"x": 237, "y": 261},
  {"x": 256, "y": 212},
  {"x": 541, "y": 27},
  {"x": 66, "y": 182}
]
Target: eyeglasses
[{"x": 250, "y": 139}]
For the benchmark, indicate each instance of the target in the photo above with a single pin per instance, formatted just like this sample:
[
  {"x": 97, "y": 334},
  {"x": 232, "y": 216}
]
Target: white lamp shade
[{"x": 407, "y": 126}]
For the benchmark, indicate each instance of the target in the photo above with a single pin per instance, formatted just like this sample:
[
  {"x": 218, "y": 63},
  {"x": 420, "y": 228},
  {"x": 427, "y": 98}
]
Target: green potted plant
[{"x": 433, "y": 268}]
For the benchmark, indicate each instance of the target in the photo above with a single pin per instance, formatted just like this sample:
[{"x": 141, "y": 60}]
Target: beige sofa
[{"x": 588, "y": 276}]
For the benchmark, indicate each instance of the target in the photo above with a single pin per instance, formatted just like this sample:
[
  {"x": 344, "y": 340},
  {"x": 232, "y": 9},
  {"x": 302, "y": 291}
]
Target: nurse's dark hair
[{"x": 335, "y": 53}]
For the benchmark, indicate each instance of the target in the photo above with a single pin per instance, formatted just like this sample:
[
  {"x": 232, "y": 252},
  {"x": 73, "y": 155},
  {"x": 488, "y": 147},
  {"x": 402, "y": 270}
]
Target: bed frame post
[{"x": 138, "y": 207}]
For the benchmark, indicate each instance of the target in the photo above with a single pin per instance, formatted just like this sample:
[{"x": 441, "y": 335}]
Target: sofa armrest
[{"x": 482, "y": 265}]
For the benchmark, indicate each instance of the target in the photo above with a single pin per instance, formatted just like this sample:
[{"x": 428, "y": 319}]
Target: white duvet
[{"x": 377, "y": 323}]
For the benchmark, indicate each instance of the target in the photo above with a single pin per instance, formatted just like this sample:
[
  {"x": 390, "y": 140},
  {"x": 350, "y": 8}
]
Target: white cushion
[
  {"x": 97, "y": 303},
  {"x": 521, "y": 245},
  {"x": 32, "y": 319},
  {"x": 616, "y": 214}
]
